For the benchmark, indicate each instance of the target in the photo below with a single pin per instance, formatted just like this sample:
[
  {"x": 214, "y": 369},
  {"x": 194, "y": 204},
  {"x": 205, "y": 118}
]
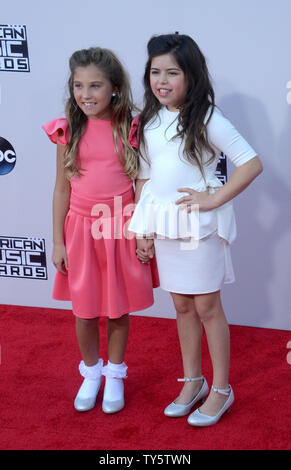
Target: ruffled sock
[
  {"x": 114, "y": 387},
  {"x": 92, "y": 379}
]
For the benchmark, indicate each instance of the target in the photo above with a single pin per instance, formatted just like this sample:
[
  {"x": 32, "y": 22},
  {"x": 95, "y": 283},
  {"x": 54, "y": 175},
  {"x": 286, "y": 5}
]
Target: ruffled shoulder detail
[
  {"x": 57, "y": 130},
  {"x": 133, "y": 133}
]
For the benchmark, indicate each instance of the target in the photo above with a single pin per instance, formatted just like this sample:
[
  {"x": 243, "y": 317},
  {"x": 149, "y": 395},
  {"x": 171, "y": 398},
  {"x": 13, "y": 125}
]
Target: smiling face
[
  {"x": 93, "y": 92},
  {"x": 168, "y": 81}
]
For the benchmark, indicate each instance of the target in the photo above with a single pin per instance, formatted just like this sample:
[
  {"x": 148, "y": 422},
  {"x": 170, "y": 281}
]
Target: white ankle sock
[
  {"x": 92, "y": 379},
  {"x": 113, "y": 390},
  {"x": 114, "y": 387},
  {"x": 89, "y": 388}
]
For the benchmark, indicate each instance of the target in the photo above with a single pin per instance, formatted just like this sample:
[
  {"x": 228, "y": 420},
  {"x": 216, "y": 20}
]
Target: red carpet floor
[{"x": 39, "y": 380}]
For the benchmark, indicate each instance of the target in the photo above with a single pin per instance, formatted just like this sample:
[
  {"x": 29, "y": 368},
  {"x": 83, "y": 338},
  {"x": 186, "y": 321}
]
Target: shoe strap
[
  {"x": 190, "y": 379},
  {"x": 223, "y": 391}
]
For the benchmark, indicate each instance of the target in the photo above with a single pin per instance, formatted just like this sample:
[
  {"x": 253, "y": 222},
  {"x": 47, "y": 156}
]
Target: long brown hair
[
  {"x": 199, "y": 97},
  {"x": 121, "y": 105}
]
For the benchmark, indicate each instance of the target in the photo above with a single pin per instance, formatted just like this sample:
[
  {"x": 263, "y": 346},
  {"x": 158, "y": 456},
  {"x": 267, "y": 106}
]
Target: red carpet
[{"x": 39, "y": 380}]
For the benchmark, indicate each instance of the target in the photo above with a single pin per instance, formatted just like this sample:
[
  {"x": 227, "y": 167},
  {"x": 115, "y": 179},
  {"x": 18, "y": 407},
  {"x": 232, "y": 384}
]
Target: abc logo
[{"x": 7, "y": 157}]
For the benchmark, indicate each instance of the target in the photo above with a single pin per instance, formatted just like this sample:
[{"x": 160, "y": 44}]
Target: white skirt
[{"x": 194, "y": 267}]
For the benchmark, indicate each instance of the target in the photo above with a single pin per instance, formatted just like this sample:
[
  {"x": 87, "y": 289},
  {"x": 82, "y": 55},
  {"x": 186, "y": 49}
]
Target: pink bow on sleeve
[{"x": 133, "y": 133}]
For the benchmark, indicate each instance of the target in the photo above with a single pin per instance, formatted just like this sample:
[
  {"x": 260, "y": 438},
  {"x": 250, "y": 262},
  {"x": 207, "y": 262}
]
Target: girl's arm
[
  {"x": 225, "y": 137},
  {"x": 61, "y": 200},
  {"x": 144, "y": 247},
  {"x": 239, "y": 180}
]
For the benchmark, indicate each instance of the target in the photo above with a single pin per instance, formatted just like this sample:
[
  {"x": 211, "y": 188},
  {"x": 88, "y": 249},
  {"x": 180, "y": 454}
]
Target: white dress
[{"x": 192, "y": 250}]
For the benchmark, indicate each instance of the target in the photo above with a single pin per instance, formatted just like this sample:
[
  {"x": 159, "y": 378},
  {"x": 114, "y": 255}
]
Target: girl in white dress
[{"x": 180, "y": 134}]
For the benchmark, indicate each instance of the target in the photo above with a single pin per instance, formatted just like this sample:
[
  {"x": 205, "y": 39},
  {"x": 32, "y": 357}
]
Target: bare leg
[
  {"x": 210, "y": 311},
  {"x": 190, "y": 332},
  {"x": 87, "y": 332},
  {"x": 88, "y": 338},
  {"x": 117, "y": 333}
]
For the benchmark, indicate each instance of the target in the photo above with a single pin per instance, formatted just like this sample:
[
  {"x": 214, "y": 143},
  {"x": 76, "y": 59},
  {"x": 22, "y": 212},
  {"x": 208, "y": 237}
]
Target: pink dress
[{"x": 104, "y": 277}]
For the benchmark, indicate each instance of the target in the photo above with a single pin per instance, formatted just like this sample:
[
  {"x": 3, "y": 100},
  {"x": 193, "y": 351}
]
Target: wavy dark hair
[
  {"x": 199, "y": 97},
  {"x": 122, "y": 106}
]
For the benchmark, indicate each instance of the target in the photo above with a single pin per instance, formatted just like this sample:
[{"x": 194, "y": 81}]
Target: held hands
[
  {"x": 203, "y": 199},
  {"x": 59, "y": 258},
  {"x": 145, "y": 249}
]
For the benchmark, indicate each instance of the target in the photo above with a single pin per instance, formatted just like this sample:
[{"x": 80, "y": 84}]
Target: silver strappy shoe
[
  {"x": 200, "y": 419},
  {"x": 175, "y": 410}
]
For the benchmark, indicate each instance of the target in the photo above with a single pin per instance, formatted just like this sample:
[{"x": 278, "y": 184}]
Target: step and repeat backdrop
[{"x": 246, "y": 46}]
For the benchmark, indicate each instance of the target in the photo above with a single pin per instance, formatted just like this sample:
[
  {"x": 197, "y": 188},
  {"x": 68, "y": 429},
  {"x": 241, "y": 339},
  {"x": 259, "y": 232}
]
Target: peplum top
[
  {"x": 156, "y": 211},
  {"x": 101, "y": 175}
]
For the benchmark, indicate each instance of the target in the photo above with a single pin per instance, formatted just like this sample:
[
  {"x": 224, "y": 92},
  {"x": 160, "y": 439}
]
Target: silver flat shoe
[
  {"x": 176, "y": 410},
  {"x": 114, "y": 372},
  {"x": 200, "y": 419},
  {"x": 85, "y": 404},
  {"x": 112, "y": 406}
]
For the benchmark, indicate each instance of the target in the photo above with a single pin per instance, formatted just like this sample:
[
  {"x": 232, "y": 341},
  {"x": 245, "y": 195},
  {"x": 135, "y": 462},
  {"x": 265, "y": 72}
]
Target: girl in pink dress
[{"x": 94, "y": 253}]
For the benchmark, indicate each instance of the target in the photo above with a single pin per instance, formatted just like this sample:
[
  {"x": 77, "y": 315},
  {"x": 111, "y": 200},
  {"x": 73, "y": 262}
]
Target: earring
[{"x": 114, "y": 98}]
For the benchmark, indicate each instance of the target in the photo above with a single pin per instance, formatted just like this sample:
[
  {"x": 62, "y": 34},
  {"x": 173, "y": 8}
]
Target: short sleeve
[
  {"x": 224, "y": 136},
  {"x": 144, "y": 169},
  {"x": 57, "y": 131}
]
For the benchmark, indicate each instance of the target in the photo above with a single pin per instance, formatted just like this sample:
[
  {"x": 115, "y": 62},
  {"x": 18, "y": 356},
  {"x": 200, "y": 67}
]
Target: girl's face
[
  {"x": 93, "y": 92},
  {"x": 168, "y": 81}
]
